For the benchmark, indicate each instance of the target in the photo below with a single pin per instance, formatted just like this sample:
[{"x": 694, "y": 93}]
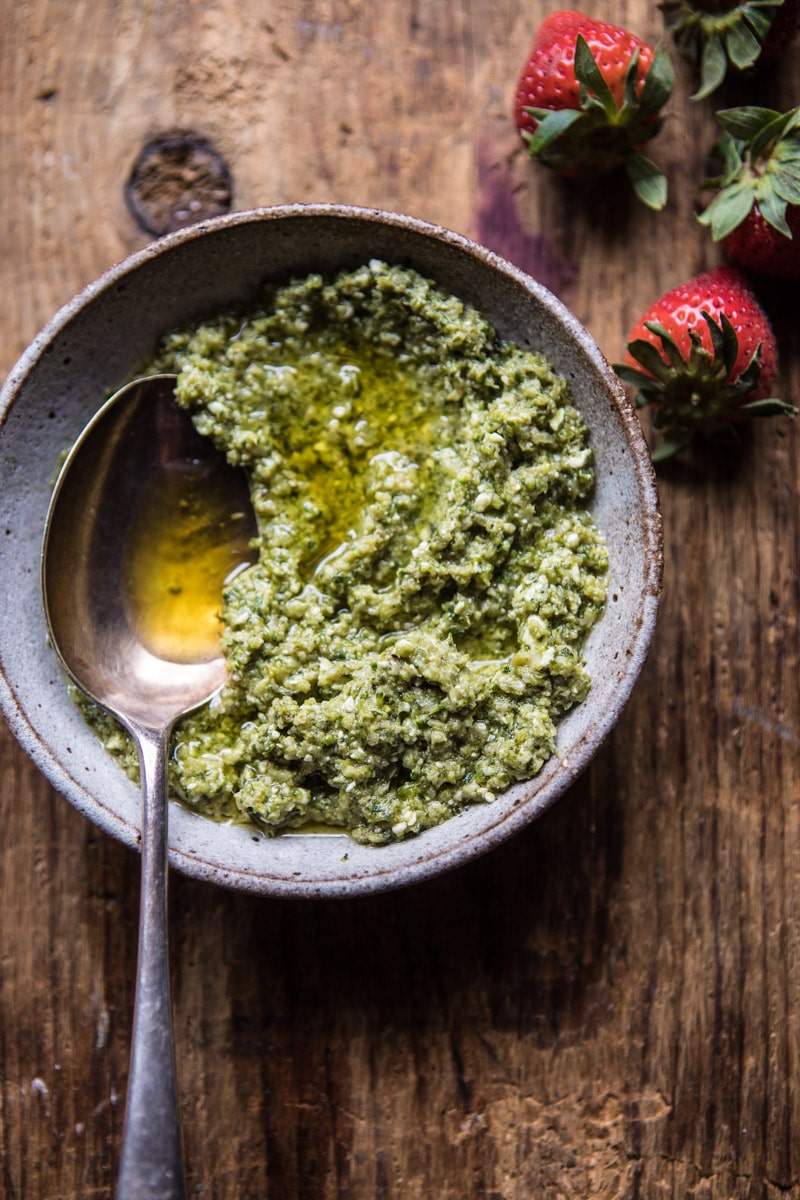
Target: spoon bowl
[
  {"x": 142, "y": 507},
  {"x": 98, "y": 520}
]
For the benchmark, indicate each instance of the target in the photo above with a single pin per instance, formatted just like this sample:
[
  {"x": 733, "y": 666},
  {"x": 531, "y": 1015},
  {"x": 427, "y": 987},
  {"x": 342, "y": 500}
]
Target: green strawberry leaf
[
  {"x": 770, "y": 132},
  {"x": 728, "y": 209},
  {"x": 773, "y": 210},
  {"x": 730, "y": 346},
  {"x": 770, "y": 407},
  {"x": 648, "y": 182},
  {"x": 717, "y": 339},
  {"x": 760, "y": 150},
  {"x": 747, "y": 380},
  {"x": 746, "y": 122},
  {"x": 668, "y": 344},
  {"x": 637, "y": 379},
  {"x": 787, "y": 150},
  {"x": 759, "y": 16},
  {"x": 589, "y": 75},
  {"x": 786, "y": 153},
  {"x": 713, "y": 65},
  {"x": 701, "y": 361},
  {"x": 631, "y": 375},
  {"x": 783, "y": 127},
  {"x": 791, "y": 130},
  {"x": 649, "y": 357},
  {"x": 742, "y": 46},
  {"x": 551, "y": 127},
  {"x": 729, "y": 151},
  {"x": 659, "y": 82},
  {"x": 630, "y": 98},
  {"x": 785, "y": 179},
  {"x": 723, "y": 340}
]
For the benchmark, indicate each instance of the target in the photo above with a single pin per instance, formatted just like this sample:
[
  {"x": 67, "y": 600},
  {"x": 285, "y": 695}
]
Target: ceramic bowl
[{"x": 97, "y": 341}]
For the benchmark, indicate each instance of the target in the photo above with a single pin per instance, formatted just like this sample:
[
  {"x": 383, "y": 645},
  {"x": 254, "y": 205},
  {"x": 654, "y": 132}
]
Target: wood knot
[{"x": 178, "y": 179}]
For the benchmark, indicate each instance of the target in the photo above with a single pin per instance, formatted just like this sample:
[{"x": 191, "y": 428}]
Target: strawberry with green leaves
[
  {"x": 589, "y": 96},
  {"x": 703, "y": 357},
  {"x": 755, "y": 212},
  {"x": 718, "y": 34}
]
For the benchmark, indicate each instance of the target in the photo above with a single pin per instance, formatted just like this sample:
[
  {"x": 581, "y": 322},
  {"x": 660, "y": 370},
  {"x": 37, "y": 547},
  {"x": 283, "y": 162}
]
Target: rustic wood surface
[{"x": 607, "y": 1006}]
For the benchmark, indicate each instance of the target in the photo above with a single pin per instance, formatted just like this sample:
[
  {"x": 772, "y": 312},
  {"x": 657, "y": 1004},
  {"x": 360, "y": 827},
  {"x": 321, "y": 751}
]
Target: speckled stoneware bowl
[{"x": 93, "y": 345}]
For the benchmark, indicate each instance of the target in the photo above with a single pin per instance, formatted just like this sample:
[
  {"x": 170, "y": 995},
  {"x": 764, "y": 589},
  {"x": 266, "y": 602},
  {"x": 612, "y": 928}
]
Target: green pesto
[{"x": 428, "y": 569}]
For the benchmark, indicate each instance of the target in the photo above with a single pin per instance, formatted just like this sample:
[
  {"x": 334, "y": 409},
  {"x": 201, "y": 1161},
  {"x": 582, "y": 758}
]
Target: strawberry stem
[{"x": 695, "y": 393}]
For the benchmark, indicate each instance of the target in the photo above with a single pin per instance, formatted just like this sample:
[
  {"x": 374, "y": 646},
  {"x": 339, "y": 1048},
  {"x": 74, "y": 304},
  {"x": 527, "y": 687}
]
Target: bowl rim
[{"x": 508, "y": 822}]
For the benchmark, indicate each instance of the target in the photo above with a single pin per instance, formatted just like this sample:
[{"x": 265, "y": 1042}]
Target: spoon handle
[{"x": 151, "y": 1163}]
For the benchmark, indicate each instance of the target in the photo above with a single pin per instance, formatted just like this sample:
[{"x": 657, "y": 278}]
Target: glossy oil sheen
[{"x": 186, "y": 538}]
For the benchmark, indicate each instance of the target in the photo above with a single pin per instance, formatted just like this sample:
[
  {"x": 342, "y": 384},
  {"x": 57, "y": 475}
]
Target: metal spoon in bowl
[{"x": 146, "y": 521}]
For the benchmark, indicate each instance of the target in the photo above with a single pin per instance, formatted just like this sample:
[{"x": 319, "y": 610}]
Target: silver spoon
[{"x": 145, "y": 521}]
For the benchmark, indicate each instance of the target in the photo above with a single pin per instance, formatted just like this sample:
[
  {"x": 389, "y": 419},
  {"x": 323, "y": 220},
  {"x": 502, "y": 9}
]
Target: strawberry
[
  {"x": 589, "y": 95},
  {"x": 739, "y": 33},
  {"x": 704, "y": 357},
  {"x": 755, "y": 212}
]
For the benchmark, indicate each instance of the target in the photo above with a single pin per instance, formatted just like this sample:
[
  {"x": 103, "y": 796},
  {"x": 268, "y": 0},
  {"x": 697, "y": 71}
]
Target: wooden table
[{"x": 606, "y": 1006}]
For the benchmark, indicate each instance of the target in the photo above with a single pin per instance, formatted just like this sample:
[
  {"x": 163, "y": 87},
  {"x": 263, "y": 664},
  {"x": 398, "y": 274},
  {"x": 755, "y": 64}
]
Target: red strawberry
[
  {"x": 704, "y": 357},
  {"x": 590, "y": 94},
  {"x": 759, "y": 246},
  {"x": 548, "y": 80},
  {"x": 740, "y": 33},
  {"x": 755, "y": 212}
]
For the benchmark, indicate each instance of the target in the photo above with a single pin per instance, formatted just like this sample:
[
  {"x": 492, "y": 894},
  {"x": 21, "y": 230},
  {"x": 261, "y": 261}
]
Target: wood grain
[{"x": 608, "y": 1005}]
